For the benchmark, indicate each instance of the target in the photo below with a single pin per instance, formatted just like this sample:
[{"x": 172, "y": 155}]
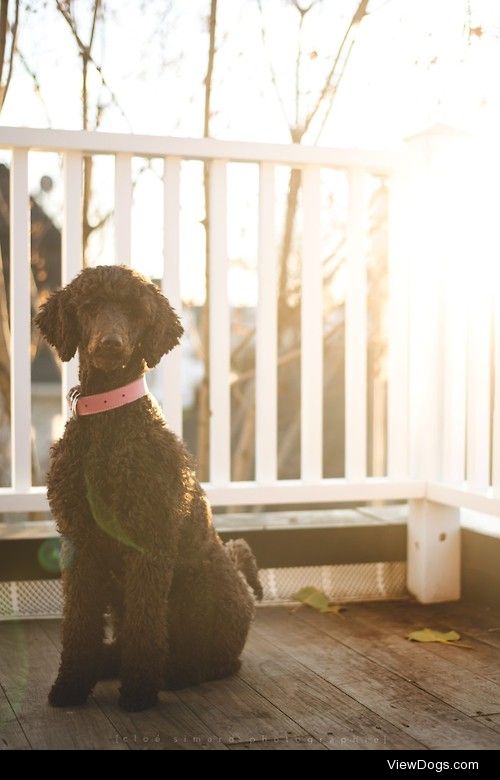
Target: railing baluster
[
  {"x": 20, "y": 324},
  {"x": 311, "y": 391},
  {"x": 171, "y": 364},
  {"x": 123, "y": 208},
  {"x": 355, "y": 331},
  {"x": 219, "y": 352},
  {"x": 478, "y": 396},
  {"x": 267, "y": 333},
  {"x": 71, "y": 249},
  {"x": 454, "y": 374},
  {"x": 398, "y": 336}
]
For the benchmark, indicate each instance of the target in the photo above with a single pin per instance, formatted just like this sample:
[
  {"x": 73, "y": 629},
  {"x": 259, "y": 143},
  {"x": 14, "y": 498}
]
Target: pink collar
[{"x": 81, "y": 405}]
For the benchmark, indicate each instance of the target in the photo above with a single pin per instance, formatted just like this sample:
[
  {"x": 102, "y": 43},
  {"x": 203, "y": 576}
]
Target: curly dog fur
[{"x": 139, "y": 539}]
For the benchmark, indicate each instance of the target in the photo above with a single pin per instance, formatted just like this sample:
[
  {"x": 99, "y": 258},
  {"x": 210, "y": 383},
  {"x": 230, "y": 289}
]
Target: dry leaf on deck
[
  {"x": 312, "y": 597},
  {"x": 429, "y": 635}
]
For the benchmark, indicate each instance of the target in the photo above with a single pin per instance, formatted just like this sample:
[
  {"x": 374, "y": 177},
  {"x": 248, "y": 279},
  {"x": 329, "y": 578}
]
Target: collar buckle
[{"x": 73, "y": 396}]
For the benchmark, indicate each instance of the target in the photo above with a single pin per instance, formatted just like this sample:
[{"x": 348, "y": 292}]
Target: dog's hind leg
[{"x": 211, "y": 608}]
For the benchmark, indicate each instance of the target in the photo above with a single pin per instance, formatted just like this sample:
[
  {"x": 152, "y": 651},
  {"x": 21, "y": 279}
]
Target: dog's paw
[
  {"x": 136, "y": 701},
  {"x": 67, "y": 694}
]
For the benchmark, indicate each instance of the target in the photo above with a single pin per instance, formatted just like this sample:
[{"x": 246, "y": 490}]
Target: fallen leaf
[
  {"x": 429, "y": 635},
  {"x": 334, "y": 609},
  {"x": 443, "y": 637},
  {"x": 312, "y": 597}
]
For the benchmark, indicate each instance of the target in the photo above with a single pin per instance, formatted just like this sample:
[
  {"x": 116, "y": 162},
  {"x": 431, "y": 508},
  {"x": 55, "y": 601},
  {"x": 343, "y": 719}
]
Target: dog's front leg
[
  {"x": 82, "y": 630},
  {"x": 144, "y": 631}
]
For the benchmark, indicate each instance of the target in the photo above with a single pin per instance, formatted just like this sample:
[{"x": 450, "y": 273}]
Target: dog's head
[{"x": 111, "y": 314}]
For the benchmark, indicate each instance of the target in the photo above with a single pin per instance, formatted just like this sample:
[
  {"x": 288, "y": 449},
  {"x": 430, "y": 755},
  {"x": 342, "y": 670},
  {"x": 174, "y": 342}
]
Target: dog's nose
[{"x": 112, "y": 341}]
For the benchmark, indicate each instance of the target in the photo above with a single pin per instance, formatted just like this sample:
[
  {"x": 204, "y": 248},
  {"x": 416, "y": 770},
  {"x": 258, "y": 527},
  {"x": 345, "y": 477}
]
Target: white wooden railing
[{"x": 439, "y": 366}]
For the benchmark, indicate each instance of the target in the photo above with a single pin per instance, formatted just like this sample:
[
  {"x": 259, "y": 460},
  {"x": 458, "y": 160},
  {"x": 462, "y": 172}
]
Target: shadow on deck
[{"x": 308, "y": 681}]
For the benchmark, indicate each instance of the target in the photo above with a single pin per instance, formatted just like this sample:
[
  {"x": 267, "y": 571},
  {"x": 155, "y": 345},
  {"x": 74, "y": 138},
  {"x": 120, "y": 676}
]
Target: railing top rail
[{"x": 97, "y": 142}]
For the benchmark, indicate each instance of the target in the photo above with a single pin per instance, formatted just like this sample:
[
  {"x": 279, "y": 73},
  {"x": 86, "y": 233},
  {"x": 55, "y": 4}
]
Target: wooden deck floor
[{"x": 308, "y": 681}]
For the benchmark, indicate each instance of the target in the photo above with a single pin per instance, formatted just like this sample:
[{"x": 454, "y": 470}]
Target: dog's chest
[{"x": 111, "y": 451}]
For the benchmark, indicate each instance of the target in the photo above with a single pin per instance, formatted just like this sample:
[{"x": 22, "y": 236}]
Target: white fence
[{"x": 441, "y": 443}]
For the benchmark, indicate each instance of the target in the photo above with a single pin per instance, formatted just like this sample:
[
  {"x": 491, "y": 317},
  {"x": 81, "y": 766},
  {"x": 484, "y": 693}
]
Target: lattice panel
[
  {"x": 30, "y": 599},
  {"x": 352, "y": 582}
]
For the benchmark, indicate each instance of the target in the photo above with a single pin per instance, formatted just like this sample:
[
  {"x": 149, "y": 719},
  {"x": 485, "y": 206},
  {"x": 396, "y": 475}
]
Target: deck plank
[
  {"x": 420, "y": 714},
  {"x": 28, "y": 666},
  {"x": 12, "y": 737},
  {"x": 210, "y": 715},
  {"x": 170, "y": 726},
  {"x": 479, "y": 621},
  {"x": 440, "y": 676},
  {"x": 238, "y": 713},
  {"x": 308, "y": 682},
  {"x": 492, "y": 721},
  {"x": 394, "y": 618},
  {"x": 332, "y": 717}
]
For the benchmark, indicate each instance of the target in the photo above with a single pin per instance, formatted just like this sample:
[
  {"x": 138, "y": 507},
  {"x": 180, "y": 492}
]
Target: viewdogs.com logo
[{"x": 436, "y": 766}]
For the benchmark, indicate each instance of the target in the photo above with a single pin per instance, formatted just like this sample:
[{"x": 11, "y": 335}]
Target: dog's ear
[
  {"x": 58, "y": 323},
  {"x": 164, "y": 329}
]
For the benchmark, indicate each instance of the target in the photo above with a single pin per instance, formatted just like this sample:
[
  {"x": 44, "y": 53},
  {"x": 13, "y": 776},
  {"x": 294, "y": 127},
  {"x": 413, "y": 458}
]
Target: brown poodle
[{"x": 139, "y": 539}]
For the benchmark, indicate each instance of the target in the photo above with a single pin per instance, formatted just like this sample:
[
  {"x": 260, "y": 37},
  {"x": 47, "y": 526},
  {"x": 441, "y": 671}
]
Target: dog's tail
[{"x": 244, "y": 561}]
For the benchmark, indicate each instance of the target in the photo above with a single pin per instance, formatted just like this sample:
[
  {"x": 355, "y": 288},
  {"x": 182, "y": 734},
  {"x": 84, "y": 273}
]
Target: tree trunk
[
  {"x": 4, "y": 12},
  {"x": 203, "y": 418}
]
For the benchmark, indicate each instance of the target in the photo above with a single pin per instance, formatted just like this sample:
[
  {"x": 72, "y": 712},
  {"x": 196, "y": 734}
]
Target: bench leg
[{"x": 433, "y": 559}]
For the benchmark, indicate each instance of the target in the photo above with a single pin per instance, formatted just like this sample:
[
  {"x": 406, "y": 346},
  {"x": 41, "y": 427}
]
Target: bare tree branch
[
  {"x": 5, "y": 88},
  {"x": 84, "y": 51},
  {"x": 4, "y": 16},
  {"x": 333, "y": 93},
  {"x": 86, "y": 54},
  {"x": 36, "y": 84},
  {"x": 97, "y": 6},
  {"x": 359, "y": 14},
  {"x": 203, "y": 422},
  {"x": 207, "y": 109},
  {"x": 272, "y": 72},
  {"x": 298, "y": 63}
]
